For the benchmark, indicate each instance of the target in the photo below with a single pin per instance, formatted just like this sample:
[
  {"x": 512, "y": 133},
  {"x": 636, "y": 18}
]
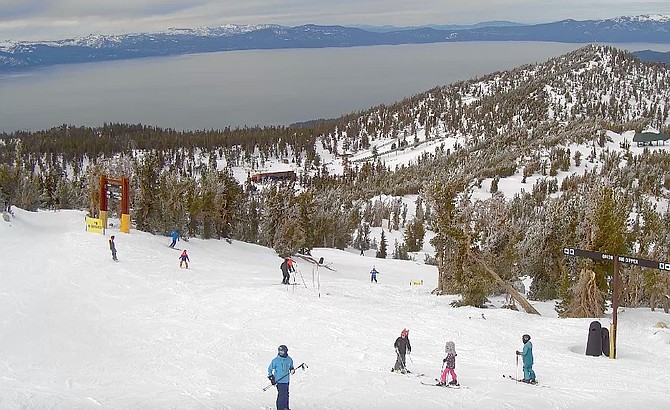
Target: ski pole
[
  {"x": 409, "y": 354},
  {"x": 302, "y": 366},
  {"x": 302, "y": 277},
  {"x": 516, "y": 369}
]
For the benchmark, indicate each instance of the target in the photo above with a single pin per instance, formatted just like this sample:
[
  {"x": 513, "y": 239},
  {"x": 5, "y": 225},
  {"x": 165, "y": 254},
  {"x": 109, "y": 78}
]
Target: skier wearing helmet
[
  {"x": 527, "y": 355},
  {"x": 286, "y": 269},
  {"x": 449, "y": 364},
  {"x": 279, "y": 371},
  {"x": 402, "y": 346},
  {"x": 183, "y": 259}
]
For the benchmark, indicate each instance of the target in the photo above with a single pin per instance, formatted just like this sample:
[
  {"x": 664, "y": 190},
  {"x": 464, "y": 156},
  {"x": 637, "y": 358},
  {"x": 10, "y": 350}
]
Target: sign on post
[
  {"x": 94, "y": 225},
  {"x": 617, "y": 259}
]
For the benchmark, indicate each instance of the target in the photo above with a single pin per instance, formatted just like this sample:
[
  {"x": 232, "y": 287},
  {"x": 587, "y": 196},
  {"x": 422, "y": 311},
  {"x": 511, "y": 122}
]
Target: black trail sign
[{"x": 616, "y": 259}]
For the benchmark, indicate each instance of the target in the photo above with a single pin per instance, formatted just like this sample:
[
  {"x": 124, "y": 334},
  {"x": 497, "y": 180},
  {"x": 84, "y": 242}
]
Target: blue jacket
[
  {"x": 281, "y": 368},
  {"x": 175, "y": 235},
  {"x": 527, "y": 354},
  {"x": 374, "y": 272}
]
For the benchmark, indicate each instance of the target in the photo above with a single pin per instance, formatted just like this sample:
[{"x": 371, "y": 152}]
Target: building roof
[{"x": 650, "y": 137}]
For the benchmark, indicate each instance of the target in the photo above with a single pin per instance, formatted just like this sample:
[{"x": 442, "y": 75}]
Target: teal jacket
[
  {"x": 281, "y": 368},
  {"x": 527, "y": 354}
]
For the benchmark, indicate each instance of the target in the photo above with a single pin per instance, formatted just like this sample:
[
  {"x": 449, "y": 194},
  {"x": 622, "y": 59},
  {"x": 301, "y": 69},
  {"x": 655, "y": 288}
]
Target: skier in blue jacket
[
  {"x": 279, "y": 373},
  {"x": 175, "y": 238},
  {"x": 527, "y": 355}
]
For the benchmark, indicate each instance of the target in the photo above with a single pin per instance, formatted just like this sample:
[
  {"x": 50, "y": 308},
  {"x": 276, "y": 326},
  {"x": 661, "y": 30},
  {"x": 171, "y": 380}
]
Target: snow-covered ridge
[
  {"x": 660, "y": 18},
  {"x": 112, "y": 40},
  {"x": 224, "y": 30}
]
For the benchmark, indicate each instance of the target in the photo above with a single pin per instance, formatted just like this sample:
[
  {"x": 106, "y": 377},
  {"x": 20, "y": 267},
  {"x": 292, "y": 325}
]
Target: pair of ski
[
  {"x": 510, "y": 377},
  {"x": 404, "y": 366},
  {"x": 448, "y": 386},
  {"x": 408, "y": 373}
]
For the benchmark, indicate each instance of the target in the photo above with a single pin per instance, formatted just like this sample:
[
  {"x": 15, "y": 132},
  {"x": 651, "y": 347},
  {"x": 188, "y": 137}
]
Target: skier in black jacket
[
  {"x": 286, "y": 269},
  {"x": 402, "y": 346}
]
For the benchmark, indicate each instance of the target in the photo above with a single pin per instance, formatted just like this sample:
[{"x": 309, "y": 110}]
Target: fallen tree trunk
[{"x": 510, "y": 289}]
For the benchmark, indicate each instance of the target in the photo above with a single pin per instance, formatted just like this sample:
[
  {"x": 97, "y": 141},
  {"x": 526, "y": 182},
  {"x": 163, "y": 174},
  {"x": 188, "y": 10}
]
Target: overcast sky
[{"x": 56, "y": 19}]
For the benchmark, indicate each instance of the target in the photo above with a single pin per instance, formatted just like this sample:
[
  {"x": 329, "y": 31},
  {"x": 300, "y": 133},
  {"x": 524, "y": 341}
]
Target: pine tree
[
  {"x": 400, "y": 251},
  {"x": 450, "y": 248},
  {"x": 306, "y": 206},
  {"x": 145, "y": 203},
  {"x": 362, "y": 240},
  {"x": 414, "y": 234},
  {"x": 609, "y": 231},
  {"x": 381, "y": 252}
]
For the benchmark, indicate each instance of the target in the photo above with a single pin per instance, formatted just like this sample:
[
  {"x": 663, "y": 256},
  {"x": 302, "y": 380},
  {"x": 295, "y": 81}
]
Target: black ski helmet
[
  {"x": 525, "y": 338},
  {"x": 282, "y": 351}
]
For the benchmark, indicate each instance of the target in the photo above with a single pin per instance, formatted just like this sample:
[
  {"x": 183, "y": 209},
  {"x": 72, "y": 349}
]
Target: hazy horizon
[{"x": 58, "y": 19}]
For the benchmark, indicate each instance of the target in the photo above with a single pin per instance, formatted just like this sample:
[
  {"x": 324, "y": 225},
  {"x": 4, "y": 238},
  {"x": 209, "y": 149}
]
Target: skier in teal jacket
[
  {"x": 279, "y": 373},
  {"x": 527, "y": 355}
]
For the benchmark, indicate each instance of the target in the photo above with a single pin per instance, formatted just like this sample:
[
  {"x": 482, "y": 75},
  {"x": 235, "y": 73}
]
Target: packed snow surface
[{"x": 79, "y": 331}]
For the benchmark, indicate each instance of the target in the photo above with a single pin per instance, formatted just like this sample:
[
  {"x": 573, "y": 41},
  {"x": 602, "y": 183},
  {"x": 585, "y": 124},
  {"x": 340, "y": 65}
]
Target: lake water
[{"x": 257, "y": 87}]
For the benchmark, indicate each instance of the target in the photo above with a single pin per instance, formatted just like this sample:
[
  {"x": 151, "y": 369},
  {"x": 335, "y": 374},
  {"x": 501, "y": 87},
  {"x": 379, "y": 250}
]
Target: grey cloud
[{"x": 13, "y": 9}]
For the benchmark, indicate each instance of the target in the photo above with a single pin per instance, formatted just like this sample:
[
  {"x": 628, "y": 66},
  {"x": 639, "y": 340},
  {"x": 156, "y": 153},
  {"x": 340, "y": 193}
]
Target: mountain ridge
[{"x": 20, "y": 55}]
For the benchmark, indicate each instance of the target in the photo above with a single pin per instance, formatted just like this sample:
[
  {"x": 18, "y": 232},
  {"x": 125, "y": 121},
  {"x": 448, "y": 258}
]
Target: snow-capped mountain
[
  {"x": 23, "y": 55},
  {"x": 661, "y": 18}
]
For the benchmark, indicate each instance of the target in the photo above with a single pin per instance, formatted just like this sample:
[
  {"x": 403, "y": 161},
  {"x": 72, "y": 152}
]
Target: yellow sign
[
  {"x": 416, "y": 282},
  {"x": 94, "y": 225}
]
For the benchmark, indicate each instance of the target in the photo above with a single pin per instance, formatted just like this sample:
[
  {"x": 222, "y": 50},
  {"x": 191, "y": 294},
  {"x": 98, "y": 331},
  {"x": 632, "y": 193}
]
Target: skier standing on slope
[
  {"x": 279, "y": 371},
  {"x": 527, "y": 355},
  {"x": 286, "y": 269},
  {"x": 402, "y": 346},
  {"x": 373, "y": 274},
  {"x": 183, "y": 258},
  {"x": 450, "y": 364},
  {"x": 112, "y": 247}
]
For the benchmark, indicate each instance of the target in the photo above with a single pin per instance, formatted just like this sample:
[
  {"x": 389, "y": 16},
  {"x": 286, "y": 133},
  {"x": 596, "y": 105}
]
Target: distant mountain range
[
  {"x": 654, "y": 56},
  {"x": 442, "y": 26},
  {"x": 17, "y": 56}
]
